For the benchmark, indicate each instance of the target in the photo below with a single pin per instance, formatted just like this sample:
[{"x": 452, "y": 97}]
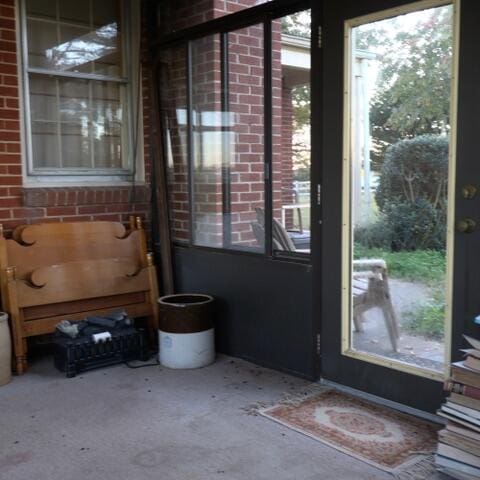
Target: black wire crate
[{"x": 76, "y": 355}]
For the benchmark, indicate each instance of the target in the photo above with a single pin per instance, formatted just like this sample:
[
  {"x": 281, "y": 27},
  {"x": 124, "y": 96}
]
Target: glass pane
[
  {"x": 207, "y": 121},
  {"x": 400, "y": 91},
  {"x": 45, "y": 146},
  {"x": 43, "y": 98},
  {"x": 78, "y": 47},
  {"x": 41, "y": 8},
  {"x": 105, "y": 12},
  {"x": 174, "y": 117},
  {"x": 73, "y": 52},
  {"x": 74, "y": 100},
  {"x": 85, "y": 116},
  {"x": 228, "y": 146},
  {"x": 42, "y": 40},
  {"x": 75, "y": 145},
  {"x": 244, "y": 154},
  {"x": 107, "y": 124},
  {"x": 74, "y": 11},
  {"x": 292, "y": 147}
]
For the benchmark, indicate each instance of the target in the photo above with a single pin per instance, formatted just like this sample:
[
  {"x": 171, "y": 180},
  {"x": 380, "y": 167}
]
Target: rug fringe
[
  {"x": 288, "y": 398},
  {"x": 424, "y": 469}
]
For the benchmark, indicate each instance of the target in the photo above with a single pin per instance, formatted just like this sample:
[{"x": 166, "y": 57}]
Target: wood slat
[
  {"x": 71, "y": 247},
  {"x": 47, "y": 325},
  {"x": 80, "y": 280},
  {"x": 78, "y": 306}
]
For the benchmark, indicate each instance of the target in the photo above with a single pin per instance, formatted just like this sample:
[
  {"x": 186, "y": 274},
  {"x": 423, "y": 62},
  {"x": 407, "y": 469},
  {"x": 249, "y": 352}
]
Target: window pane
[
  {"x": 75, "y": 145},
  {"x": 42, "y": 8},
  {"x": 207, "y": 142},
  {"x": 45, "y": 146},
  {"x": 72, "y": 44},
  {"x": 228, "y": 144},
  {"x": 74, "y": 11},
  {"x": 291, "y": 121},
  {"x": 174, "y": 118},
  {"x": 85, "y": 116},
  {"x": 43, "y": 98},
  {"x": 42, "y": 38},
  {"x": 245, "y": 142}
]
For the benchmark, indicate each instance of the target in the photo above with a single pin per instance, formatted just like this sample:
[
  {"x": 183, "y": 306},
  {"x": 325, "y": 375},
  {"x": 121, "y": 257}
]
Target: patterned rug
[{"x": 377, "y": 435}]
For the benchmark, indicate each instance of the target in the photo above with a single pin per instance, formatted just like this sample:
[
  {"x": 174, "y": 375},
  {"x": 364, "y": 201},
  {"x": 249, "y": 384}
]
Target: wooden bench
[
  {"x": 370, "y": 289},
  {"x": 55, "y": 271}
]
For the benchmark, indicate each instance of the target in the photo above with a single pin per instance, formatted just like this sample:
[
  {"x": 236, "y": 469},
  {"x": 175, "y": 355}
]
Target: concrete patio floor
[{"x": 154, "y": 423}]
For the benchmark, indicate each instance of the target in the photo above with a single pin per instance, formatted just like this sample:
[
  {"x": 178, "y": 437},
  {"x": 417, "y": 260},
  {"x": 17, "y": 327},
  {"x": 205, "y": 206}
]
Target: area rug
[{"x": 377, "y": 435}]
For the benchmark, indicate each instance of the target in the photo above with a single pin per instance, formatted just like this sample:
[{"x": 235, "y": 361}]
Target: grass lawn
[{"x": 426, "y": 266}]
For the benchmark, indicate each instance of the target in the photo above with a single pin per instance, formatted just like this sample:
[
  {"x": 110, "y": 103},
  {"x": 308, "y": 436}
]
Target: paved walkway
[{"x": 412, "y": 349}]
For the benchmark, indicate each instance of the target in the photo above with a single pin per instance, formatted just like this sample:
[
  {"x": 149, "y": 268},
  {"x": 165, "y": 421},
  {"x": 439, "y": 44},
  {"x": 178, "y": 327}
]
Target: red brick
[
  {"x": 7, "y": 46},
  {"x": 91, "y": 209},
  {"x": 28, "y": 212},
  {"x": 10, "y": 114},
  {"x": 8, "y": 35},
  {"x": 7, "y": 11},
  {"x": 9, "y": 69},
  {"x": 61, "y": 211},
  {"x": 9, "y": 158},
  {"x": 9, "y": 136},
  {"x": 10, "y": 180},
  {"x": 7, "y": 23},
  {"x": 11, "y": 102},
  {"x": 10, "y": 80},
  {"x": 13, "y": 147}
]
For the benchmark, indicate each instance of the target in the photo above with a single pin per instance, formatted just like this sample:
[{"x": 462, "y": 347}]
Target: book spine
[{"x": 466, "y": 390}]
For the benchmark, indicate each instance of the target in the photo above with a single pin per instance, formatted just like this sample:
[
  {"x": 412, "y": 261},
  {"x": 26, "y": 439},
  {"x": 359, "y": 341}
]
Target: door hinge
[
  {"x": 319, "y": 36},
  {"x": 318, "y": 344},
  {"x": 319, "y": 194}
]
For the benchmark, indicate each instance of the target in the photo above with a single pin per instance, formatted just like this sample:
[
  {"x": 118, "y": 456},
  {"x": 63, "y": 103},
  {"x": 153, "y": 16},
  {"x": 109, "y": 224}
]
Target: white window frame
[{"x": 132, "y": 108}]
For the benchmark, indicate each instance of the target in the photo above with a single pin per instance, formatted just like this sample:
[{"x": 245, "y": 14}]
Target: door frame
[{"x": 346, "y": 189}]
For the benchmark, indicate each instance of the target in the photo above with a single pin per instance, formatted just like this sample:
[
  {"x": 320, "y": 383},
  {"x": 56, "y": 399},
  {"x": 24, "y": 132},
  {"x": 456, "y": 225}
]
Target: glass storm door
[{"x": 401, "y": 313}]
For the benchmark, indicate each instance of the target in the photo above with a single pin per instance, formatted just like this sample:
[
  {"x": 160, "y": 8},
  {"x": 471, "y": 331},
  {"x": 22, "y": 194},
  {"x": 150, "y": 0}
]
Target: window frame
[
  {"x": 132, "y": 125},
  {"x": 262, "y": 14}
]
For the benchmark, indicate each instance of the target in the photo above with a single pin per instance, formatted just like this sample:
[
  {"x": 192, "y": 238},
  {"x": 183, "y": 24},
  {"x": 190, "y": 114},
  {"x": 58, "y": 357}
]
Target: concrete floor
[{"x": 154, "y": 423}]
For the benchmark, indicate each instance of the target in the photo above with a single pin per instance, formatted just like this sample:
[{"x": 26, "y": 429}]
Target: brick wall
[{"x": 20, "y": 205}]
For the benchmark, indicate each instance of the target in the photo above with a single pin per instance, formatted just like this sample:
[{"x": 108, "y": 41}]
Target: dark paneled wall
[{"x": 264, "y": 306}]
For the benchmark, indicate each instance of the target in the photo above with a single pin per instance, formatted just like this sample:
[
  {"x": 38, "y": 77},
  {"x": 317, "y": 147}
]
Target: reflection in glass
[
  {"x": 400, "y": 89},
  {"x": 292, "y": 149},
  {"x": 73, "y": 45},
  {"x": 173, "y": 85}
]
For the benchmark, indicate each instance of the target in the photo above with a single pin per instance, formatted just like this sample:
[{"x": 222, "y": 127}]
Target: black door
[{"x": 400, "y": 109}]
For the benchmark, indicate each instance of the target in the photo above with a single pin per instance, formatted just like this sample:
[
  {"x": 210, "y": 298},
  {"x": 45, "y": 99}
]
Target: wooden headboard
[{"x": 55, "y": 271}]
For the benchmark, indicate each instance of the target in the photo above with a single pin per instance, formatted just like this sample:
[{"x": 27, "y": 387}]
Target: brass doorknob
[{"x": 466, "y": 225}]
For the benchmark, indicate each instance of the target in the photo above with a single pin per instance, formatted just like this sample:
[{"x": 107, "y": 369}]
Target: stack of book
[{"x": 458, "y": 452}]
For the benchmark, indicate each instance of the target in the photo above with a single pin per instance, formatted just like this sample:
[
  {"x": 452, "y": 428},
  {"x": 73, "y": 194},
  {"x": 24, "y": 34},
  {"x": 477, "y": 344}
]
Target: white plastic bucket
[{"x": 186, "y": 350}]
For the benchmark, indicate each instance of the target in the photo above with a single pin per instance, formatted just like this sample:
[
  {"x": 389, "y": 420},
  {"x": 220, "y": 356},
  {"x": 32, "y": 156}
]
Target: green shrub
[
  {"x": 411, "y": 196},
  {"x": 415, "y": 169}
]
